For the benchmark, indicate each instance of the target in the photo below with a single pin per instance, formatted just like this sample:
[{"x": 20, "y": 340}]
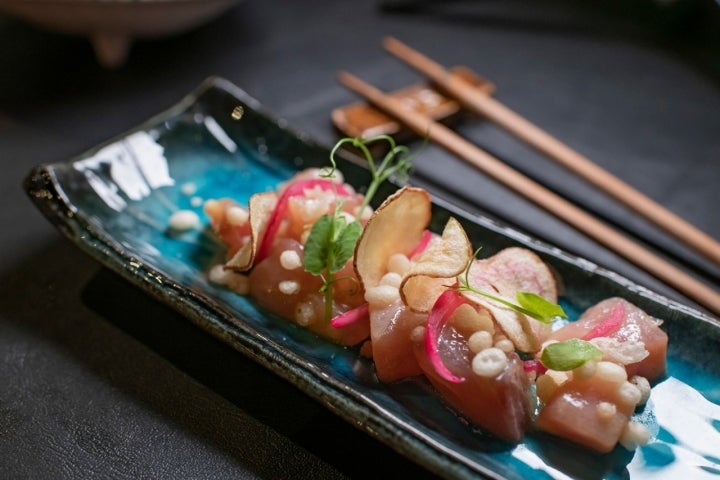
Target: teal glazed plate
[{"x": 114, "y": 201}]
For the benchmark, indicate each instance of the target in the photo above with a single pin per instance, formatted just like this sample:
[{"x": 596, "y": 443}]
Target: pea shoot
[{"x": 332, "y": 239}]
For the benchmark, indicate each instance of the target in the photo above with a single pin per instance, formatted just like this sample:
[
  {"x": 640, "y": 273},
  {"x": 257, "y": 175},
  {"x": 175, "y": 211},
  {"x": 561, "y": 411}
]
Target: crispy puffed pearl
[
  {"x": 479, "y": 341},
  {"x": 489, "y": 363},
  {"x": 629, "y": 394},
  {"x": 219, "y": 275},
  {"x": 188, "y": 189},
  {"x": 606, "y": 410},
  {"x": 212, "y": 207},
  {"x": 237, "y": 216},
  {"x": 184, "y": 220},
  {"x": 289, "y": 287},
  {"x": 417, "y": 334},
  {"x": 348, "y": 217},
  {"x": 398, "y": 263},
  {"x": 586, "y": 370},
  {"x": 634, "y": 435},
  {"x": 391, "y": 278},
  {"x": 643, "y": 385},
  {"x": 611, "y": 372},
  {"x": 506, "y": 345},
  {"x": 290, "y": 260},
  {"x": 468, "y": 320},
  {"x": 382, "y": 295},
  {"x": 304, "y": 313}
]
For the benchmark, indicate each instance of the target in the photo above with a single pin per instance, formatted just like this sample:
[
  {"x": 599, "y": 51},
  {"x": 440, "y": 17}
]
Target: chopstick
[
  {"x": 424, "y": 126},
  {"x": 495, "y": 111}
]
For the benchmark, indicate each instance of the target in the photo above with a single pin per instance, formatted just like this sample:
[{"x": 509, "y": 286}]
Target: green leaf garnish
[
  {"x": 330, "y": 244},
  {"x": 569, "y": 355},
  {"x": 541, "y": 308},
  {"x": 528, "y": 303},
  {"x": 332, "y": 239}
]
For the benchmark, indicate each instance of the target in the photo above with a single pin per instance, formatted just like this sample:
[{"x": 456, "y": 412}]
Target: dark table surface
[{"x": 97, "y": 380}]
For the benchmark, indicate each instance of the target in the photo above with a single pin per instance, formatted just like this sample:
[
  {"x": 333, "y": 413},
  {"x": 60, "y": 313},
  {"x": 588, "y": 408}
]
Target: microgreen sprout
[
  {"x": 569, "y": 355},
  {"x": 397, "y": 161},
  {"x": 528, "y": 303},
  {"x": 332, "y": 239}
]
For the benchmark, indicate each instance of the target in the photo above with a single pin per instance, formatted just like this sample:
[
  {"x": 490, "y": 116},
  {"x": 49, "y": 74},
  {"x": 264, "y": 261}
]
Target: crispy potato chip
[
  {"x": 395, "y": 227},
  {"x": 504, "y": 274},
  {"x": 260, "y": 206},
  {"x": 436, "y": 268}
]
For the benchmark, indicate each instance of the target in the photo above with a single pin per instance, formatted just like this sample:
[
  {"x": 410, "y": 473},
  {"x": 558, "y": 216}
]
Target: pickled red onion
[
  {"x": 441, "y": 312},
  {"x": 295, "y": 190},
  {"x": 351, "y": 316}
]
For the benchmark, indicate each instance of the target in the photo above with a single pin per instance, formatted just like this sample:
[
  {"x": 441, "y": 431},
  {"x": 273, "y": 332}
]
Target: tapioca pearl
[
  {"x": 634, "y": 435},
  {"x": 382, "y": 295},
  {"x": 212, "y": 208},
  {"x": 489, "y": 363},
  {"x": 290, "y": 260},
  {"x": 289, "y": 287},
  {"x": 304, "y": 313},
  {"x": 237, "y": 216},
  {"x": 417, "y": 334},
  {"x": 196, "y": 201},
  {"x": 611, "y": 372},
  {"x": 188, "y": 188},
  {"x": 629, "y": 394},
  {"x": 183, "y": 220},
  {"x": 468, "y": 320},
  {"x": 505, "y": 344},
  {"x": 399, "y": 264},
  {"x": 479, "y": 341},
  {"x": 219, "y": 275},
  {"x": 548, "y": 382},
  {"x": 586, "y": 370},
  {"x": 349, "y": 218},
  {"x": 606, "y": 411},
  {"x": 391, "y": 278},
  {"x": 643, "y": 385}
]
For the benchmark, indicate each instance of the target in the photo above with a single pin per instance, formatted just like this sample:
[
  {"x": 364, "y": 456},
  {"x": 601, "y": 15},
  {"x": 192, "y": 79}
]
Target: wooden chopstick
[
  {"x": 425, "y": 126},
  {"x": 495, "y": 111}
]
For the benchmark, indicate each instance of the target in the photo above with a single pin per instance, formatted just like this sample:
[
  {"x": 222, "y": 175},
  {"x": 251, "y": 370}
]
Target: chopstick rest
[{"x": 363, "y": 120}]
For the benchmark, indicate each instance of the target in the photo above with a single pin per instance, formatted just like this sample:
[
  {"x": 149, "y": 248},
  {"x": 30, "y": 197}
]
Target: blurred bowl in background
[{"x": 112, "y": 25}]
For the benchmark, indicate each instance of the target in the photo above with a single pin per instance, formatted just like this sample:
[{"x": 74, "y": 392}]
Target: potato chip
[
  {"x": 436, "y": 268},
  {"x": 260, "y": 206},
  {"x": 395, "y": 227}
]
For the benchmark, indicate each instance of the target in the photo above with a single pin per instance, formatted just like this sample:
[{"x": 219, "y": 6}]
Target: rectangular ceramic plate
[{"x": 114, "y": 202}]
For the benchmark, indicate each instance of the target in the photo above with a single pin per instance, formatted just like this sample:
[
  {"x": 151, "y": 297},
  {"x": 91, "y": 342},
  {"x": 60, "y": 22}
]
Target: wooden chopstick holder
[
  {"x": 363, "y": 120},
  {"x": 495, "y": 111},
  {"x": 535, "y": 192}
]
